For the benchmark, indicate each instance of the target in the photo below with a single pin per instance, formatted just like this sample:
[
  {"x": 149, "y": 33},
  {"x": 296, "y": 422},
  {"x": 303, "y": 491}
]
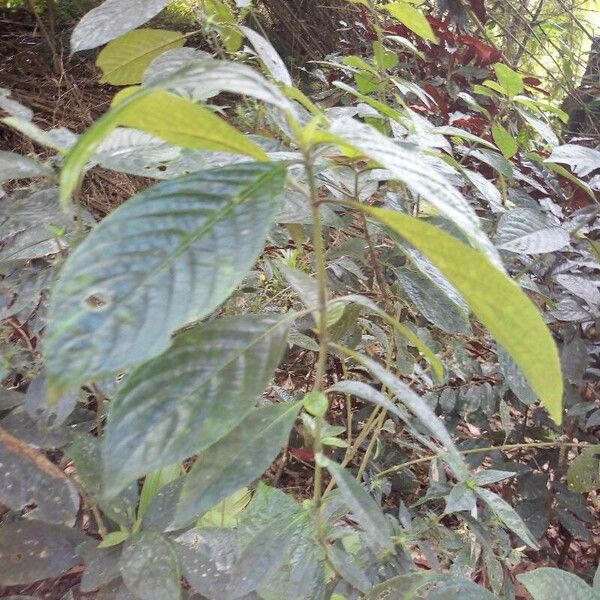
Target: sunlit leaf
[
  {"x": 125, "y": 59},
  {"x": 112, "y": 19},
  {"x": 494, "y": 299}
]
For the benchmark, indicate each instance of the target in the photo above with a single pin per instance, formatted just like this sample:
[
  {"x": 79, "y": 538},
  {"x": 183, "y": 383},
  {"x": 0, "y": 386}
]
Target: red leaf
[
  {"x": 438, "y": 98},
  {"x": 476, "y": 125},
  {"x": 483, "y": 54},
  {"x": 303, "y": 454},
  {"x": 478, "y": 8},
  {"x": 529, "y": 80}
]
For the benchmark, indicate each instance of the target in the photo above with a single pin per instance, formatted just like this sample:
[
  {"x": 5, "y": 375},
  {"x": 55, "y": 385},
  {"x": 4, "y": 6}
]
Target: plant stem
[
  {"x": 321, "y": 269},
  {"x": 503, "y": 447}
]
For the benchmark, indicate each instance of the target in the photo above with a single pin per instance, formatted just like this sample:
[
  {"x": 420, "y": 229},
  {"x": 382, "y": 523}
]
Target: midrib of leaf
[
  {"x": 190, "y": 239},
  {"x": 126, "y": 64},
  {"x": 234, "y": 357},
  {"x": 263, "y": 431}
]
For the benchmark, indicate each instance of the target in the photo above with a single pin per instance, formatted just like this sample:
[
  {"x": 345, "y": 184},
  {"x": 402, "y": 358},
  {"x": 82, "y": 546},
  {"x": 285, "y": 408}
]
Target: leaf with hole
[{"x": 170, "y": 255}]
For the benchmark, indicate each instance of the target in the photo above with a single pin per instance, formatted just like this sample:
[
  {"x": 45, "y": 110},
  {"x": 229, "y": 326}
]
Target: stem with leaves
[{"x": 321, "y": 269}]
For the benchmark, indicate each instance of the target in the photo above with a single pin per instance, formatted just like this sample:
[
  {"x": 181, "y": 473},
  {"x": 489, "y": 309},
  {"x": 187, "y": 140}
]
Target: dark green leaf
[
  {"x": 168, "y": 256},
  {"x": 33, "y": 550},
  {"x": 29, "y": 477},
  {"x": 554, "y": 584},
  {"x": 150, "y": 567},
  {"x": 365, "y": 510},
  {"x": 158, "y": 419},
  {"x": 235, "y": 460}
]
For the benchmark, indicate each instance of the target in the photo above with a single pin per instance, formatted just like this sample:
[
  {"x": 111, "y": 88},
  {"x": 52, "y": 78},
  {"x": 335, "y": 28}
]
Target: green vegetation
[{"x": 342, "y": 342}]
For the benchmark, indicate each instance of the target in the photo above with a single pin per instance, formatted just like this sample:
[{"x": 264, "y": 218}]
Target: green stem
[
  {"x": 503, "y": 447},
  {"x": 321, "y": 269}
]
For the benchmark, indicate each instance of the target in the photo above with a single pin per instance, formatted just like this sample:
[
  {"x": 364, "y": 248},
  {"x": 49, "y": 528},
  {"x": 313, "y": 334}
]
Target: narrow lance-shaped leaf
[
  {"x": 404, "y": 331},
  {"x": 165, "y": 115},
  {"x": 235, "y": 460},
  {"x": 191, "y": 395},
  {"x": 421, "y": 174},
  {"x": 415, "y": 404},
  {"x": 494, "y": 299},
  {"x": 366, "y": 511},
  {"x": 168, "y": 256}
]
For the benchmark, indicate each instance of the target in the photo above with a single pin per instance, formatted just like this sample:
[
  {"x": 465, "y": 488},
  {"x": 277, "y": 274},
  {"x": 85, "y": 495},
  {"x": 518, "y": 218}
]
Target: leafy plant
[{"x": 152, "y": 381}]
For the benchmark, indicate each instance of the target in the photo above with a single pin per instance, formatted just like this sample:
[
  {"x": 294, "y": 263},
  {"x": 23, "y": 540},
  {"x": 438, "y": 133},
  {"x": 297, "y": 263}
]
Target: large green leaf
[
  {"x": 412, "y": 18},
  {"x": 191, "y": 395},
  {"x": 125, "y": 59},
  {"x": 165, "y": 115},
  {"x": 168, "y": 256},
  {"x": 112, "y": 19},
  {"x": 235, "y": 460},
  {"x": 494, "y": 299},
  {"x": 554, "y": 584},
  {"x": 150, "y": 567},
  {"x": 33, "y": 550}
]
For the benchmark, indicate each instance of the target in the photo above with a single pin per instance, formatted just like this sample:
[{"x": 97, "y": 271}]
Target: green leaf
[
  {"x": 315, "y": 404},
  {"x": 384, "y": 58},
  {"x": 505, "y": 142},
  {"x": 511, "y": 81},
  {"x": 225, "y": 513},
  {"x": 33, "y": 550},
  {"x": 29, "y": 477},
  {"x": 150, "y": 567},
  {"x": 125, "y": 59},
  {"x": 153, "y": 483},
  {"x": 170, "y": 255},
  {"x": 494, "y": 299},
  {"x": 412, "y": 18},
  {"x": 554, "y": 584},
  {"x": 262, "y": 557},
  {"x": 412, "y": 338},
  {"x": 114, "y": 538},
  {"x": 364, "y": 509},
  {"x": 235, "y": 460},
  {"x": 508, "y": 515},
  {"x": 424, "y": 176},
  {"x": 187, "y": 124},
  {"x": 157, "y": 419},
  {"x": 583, "y": 474},
  {"x": 112, "y": 19},
  {"x": 85, "y": 451}
]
